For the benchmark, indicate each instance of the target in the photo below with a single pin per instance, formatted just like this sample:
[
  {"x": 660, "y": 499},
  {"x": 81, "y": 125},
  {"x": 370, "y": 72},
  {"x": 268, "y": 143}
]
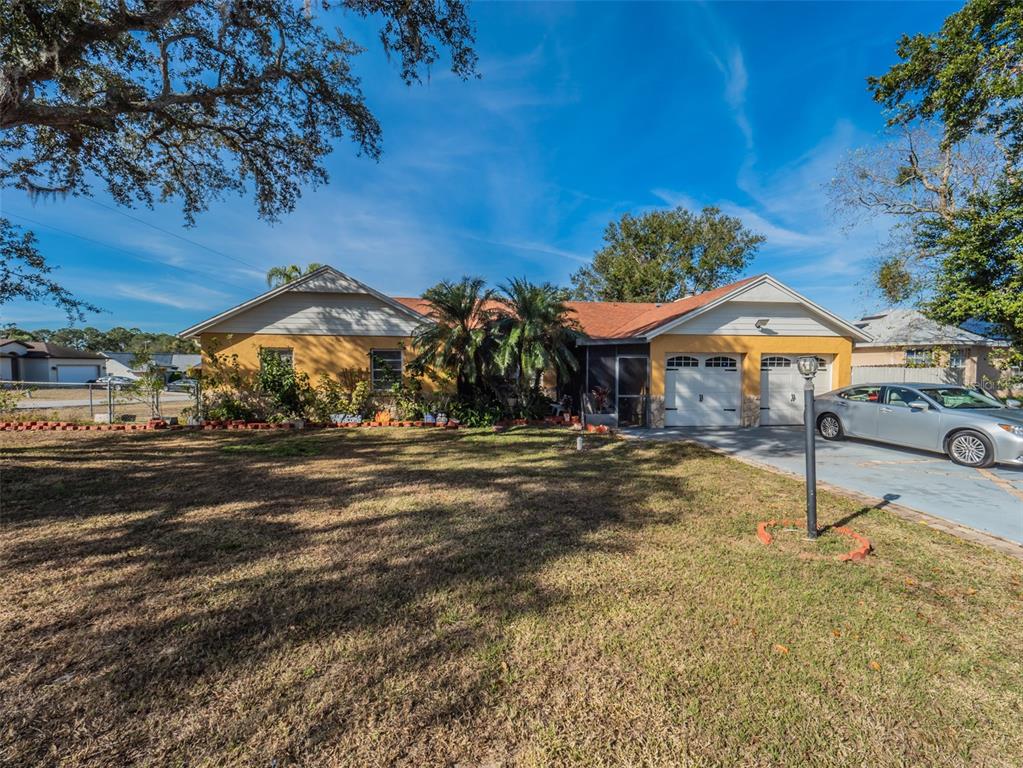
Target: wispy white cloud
[
  {"x": 177, "y": 295},
  {"x": 732, "y": 65},
  {"x": 805, "y": 243}
]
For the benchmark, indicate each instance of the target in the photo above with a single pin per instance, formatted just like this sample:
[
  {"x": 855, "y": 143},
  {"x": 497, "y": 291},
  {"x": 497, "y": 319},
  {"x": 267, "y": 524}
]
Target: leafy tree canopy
[
  {"x": 458, "y": 338},
  {"x": 968, "y": 76},
  {"x": 663, "y": 255},
  {"x": 963, "y": 85},
  {"x": 536, "y": 332},
  {"x": 25, "y": 274},
  {"x": 116, "y": 339},
  {"x": 188, "y": 100}
]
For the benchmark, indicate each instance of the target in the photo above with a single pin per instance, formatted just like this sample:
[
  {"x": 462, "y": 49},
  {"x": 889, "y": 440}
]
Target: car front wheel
[
  {"x": 830, "y": 427},
  {"x": 971, "y": 449}
]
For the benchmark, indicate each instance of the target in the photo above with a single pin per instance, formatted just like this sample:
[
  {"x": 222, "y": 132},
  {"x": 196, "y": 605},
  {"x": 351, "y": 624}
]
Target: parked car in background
[
  {"x": 114, "y": 381},
  {"x": 182, "y": 385},
  {"x": 968, "y": 426}
]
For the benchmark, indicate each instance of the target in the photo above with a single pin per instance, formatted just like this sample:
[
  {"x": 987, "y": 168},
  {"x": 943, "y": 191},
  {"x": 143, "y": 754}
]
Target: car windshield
[{"x": 960, "y": 397}]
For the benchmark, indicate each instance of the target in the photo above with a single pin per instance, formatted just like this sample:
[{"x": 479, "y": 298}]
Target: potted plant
[{"x": 602, "y": 413}]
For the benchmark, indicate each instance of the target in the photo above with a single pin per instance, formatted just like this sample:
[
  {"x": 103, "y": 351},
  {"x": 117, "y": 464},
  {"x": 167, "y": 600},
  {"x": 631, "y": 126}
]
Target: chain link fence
[{"x": 98, "y": 402}]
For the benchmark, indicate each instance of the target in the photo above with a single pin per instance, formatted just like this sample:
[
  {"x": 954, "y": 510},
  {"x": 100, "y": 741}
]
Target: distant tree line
[{"x": 94, "y": 340}]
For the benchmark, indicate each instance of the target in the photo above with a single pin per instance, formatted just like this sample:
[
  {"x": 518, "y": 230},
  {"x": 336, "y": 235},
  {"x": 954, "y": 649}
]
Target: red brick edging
[
  {"x": 238, "y": 424},
  {"x": 859, "y": 553},
  {"x": 70, "y": 426}
]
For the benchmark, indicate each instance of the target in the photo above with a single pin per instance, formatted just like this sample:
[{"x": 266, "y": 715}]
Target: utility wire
[
  {"x": 135, "y": 256},
  {"x": 174, "y": 234}
]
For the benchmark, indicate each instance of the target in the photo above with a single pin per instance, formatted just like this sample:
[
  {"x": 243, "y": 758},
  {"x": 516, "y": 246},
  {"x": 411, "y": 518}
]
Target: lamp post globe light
[{"x": 807, "y": 367}]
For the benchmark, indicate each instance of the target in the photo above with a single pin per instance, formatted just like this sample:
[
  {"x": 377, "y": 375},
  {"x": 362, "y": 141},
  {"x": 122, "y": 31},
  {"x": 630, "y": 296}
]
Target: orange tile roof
[{"x": 621, "y": 319}]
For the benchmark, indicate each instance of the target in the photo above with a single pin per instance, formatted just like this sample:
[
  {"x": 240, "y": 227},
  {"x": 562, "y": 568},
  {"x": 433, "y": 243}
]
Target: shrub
[
  {"x": 408, "y": 398},
  {"x": 349, "y": 392},
  {"x": 483, "y": 410},
  {"x": 288, "y": 391},
  {"x": 9, "y": 399},
  {"x": 228, "y": 392},
  {"x": 533, "y": 404}
]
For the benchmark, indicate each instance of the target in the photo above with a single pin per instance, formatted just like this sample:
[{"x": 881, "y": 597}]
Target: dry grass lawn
[{"x": 424, "y": 598}]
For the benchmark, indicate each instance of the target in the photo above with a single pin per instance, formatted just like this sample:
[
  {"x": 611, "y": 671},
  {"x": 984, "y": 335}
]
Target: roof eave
[
  {"x": 586, "y": 341},
  {"x": 853, "y": 331},
  {"x": 198, "y": 328}
]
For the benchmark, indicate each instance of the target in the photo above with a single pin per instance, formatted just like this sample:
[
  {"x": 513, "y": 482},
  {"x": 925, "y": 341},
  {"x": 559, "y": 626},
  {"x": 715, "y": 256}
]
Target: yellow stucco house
[{"x": 725, "y": 357}]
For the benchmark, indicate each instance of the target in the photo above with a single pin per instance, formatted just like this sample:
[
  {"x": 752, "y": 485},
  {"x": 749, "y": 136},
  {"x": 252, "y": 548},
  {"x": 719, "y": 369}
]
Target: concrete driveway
[{"x": 988, "y": 500}]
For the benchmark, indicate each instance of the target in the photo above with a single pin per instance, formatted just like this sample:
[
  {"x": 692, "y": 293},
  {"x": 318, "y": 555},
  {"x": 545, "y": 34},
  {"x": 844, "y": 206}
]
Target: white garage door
[
  {"x": 702, "y": 391},
  {"x": 76, "y": 374},
  {"x": 781, "y": 388}
]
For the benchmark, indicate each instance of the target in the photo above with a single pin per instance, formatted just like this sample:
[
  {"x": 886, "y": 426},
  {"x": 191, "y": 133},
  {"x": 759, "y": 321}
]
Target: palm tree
[
  {"x": 458, "y": 338},
  {"x": 537, "y": 332},
  {"x": 278, "y": 276}
]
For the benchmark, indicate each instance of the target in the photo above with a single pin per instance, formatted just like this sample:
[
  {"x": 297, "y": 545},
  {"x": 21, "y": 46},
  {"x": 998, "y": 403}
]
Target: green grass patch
[{"x": 275, "y": 448}]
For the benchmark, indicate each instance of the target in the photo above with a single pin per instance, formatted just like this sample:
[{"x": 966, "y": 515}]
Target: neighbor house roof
[
  {"x": 180, "y": 361},
  {"x": 44, "y": 349},
  {"x": 909, "y": 327}
]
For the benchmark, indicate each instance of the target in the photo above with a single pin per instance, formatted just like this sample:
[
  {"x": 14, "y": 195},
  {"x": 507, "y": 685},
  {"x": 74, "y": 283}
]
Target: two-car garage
[{"x": 705, "y": 390}]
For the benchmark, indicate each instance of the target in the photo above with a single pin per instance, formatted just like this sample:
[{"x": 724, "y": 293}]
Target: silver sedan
[{"x": 971, "y": 428}]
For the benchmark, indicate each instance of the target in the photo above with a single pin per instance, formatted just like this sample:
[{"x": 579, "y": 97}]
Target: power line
[
  {"x": 174, "y": 234},
  {"x": 135, "y": 256}
]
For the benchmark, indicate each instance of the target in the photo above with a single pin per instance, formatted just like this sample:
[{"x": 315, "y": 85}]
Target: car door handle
[
  {"x": 885, "y": 410},
  {"x": 843, "y": 405}
]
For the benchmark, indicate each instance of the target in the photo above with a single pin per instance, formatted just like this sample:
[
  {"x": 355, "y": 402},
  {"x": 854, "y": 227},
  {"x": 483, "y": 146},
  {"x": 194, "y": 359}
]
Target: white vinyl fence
[{"x": 880, "y": 374}]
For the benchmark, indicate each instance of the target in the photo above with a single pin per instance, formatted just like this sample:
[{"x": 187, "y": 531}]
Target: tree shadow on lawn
[{"x": 410, "y": 554}]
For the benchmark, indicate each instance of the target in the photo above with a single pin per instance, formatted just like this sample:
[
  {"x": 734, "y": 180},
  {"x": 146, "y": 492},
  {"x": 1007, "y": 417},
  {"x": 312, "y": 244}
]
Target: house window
[
  {"x": 287, "y": 354},
  {"x": 776, "y": 361},
  {"x": 919, "y": 358},
  {"x": 957, "y": 358},
  {"x": 385, "y": 367},
  {"x": 822, "y": 364},
  {"x": 682, "y": 361},
  {"x": 721, "y": 362}
]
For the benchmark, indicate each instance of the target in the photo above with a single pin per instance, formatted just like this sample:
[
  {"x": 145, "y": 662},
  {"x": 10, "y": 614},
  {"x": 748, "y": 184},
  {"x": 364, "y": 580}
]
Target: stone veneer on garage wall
[{"x": 751, "y": 348}]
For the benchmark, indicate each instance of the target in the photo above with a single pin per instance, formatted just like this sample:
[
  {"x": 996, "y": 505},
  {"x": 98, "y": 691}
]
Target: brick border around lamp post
[{"x": 808, "y": 369}]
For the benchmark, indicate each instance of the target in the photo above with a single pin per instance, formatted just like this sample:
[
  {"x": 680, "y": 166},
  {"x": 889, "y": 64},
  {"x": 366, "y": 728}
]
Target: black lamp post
[{"x": 808, "y": 369}]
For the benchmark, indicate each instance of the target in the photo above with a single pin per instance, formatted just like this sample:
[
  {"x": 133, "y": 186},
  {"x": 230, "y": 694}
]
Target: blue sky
[{"x": 583, "y": 113}]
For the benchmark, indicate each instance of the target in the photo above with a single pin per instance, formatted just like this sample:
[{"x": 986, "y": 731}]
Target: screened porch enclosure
[{"x": 622, "y": 372}]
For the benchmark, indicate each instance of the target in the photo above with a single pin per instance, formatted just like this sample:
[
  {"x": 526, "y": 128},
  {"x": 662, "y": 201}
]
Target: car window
[
  {"x": 861, "y": 394},
  {"x": 959, "y": 397},
  {"x": 900, "y": 397}
]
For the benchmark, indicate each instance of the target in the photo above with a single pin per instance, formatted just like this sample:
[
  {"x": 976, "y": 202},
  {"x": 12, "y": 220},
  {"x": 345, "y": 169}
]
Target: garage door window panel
[
  {"x": 682, "y": 361},
  {"x": 720, "y": 361}
]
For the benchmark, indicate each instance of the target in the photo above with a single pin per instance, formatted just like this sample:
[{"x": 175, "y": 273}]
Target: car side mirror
[
  {"x": 919, "y": 405},
  {"x": 1014, "y": 403}
]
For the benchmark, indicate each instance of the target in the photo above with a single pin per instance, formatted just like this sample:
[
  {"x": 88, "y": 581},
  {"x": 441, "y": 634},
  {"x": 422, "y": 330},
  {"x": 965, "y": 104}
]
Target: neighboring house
[
  {"x": 125, "y": 364},
  {"x": 906, "y": 343},
  {"x": 38, "y": 361},
  {"x": 725, "y": 357}
]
